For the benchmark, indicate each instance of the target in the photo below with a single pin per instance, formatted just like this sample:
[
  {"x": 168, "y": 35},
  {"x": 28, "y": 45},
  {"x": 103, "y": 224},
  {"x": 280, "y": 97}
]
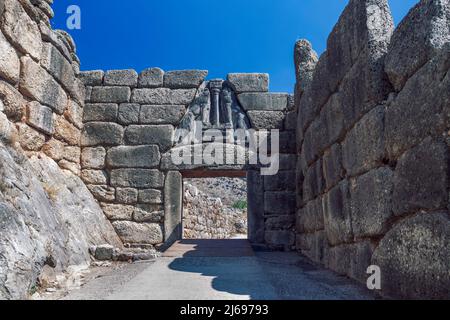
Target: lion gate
[{"x": 135, "y": 125}]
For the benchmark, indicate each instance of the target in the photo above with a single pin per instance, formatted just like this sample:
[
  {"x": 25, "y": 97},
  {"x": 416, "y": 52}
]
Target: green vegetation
[{"x": 241, "y": 205}]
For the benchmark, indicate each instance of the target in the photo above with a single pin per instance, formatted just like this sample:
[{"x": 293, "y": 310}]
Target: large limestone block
[
  {"x": 38, "y": 84},
  {"x": 305, "y": 59},
  {"x": 421, "y": 34},
  {"x": 20, "y": 29},
  {"x": 133, "y": 157},
  {"x": 266, "y": 119},
  {"x": 282, "y": 181},
  {"x": 101, "y": 133},
  {"x": 9, "y": 61},
  {"x": 14, "y": 105},
  {"x": 364, "y": 146},
  {"x": 40, "y": 117},
  {"x": 93, "y": 158},
  {"x": 184, "y": 79},
  {"x": 310, "y": 218},
  {"x": 419, "y": 109},
  {"x": 173, "y": 205},
  {"x": 161, "y": 96},
  {"x": 110, "y": 94},
  {"x": 128, "y": 113},
  {"x": 139, "y": 233},
  {"x": 249, "y": 82},
  {"x": 313, "y": 183},
  {"x": 149, "y": 134},
  {"x": 279, "y": 202},
  {"x": 117, "y": 212},
  {"x": 150, "y": 196},
  {"x": 126, "y": 78},
  {"x": 151, "y": 78},
  {"x": 66, "y": 131},
  {"x": 92, "y": 78},
  {"x": 161, "y": 114},
  {"x": 414, "y": 258},
  {"x": 137, "y": 178},
  {"x": 421, "y": 178},
  {"x": 280, "y": 239},
  {"x": 59, "y": 67},
  {"x": 263, "y": 101},
  {"x": 337, "y": 214},
  {"x": 333, "y": 169},
  {"x": 104, "y": 112},
  {"x": 371, "y": 202}
]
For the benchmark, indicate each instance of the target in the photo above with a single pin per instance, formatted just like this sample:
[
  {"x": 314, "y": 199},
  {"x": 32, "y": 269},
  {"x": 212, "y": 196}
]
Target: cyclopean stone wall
[
  {"x": 48, "y": 218},
  {"x": 373, "y": 164},
  {"x": 130, "y": 121}
]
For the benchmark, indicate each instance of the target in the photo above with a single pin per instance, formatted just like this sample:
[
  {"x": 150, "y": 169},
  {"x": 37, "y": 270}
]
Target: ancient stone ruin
[{"x": 86, "y": 157}]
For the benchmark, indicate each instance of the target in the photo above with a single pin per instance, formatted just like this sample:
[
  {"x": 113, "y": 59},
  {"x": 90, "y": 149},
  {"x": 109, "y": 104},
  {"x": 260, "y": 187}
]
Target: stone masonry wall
[
  {"x": 129, "y": 124},
  {"x": 372, "y": 135},
  {"x": 39, "y": 88}
]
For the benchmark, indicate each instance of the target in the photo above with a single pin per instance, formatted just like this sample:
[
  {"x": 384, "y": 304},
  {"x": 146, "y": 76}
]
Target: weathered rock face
[
  {"x": 46, "y": 214},
  {"x": 372, "y": 173}
]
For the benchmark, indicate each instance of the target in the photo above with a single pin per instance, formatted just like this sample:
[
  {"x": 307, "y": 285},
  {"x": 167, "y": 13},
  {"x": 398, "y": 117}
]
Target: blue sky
[{"x": 219, "y": 36}]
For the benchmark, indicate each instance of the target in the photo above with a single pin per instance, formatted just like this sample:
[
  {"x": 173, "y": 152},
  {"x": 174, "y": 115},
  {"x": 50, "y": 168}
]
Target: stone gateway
[{"x": 86, "y": 157}]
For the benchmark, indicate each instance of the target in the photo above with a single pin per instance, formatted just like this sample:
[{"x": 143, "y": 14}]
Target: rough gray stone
[
  {"x": 282, "y": 181},
  {"x": 110, "y": 94},
  {"x": 126, "y": 195},
  {"x": 9, "y": 61},
  {"x": 337, "y": 214},
  {"x": 133, "y": 157},
  {"x": 281, "y": 239},
  {"x": 314, "y": 183},
  {"x": 249, "y": 82},
  {"x": 423, "y": 32},
  {"x": 139, "y": 233},
  {"x": 74, "y": 114},
  {"x": 20, "y": 29},
  {"x": 416, "y": 112},
  {"x": 102, "y": 192},
  {"x": 29, "y": 138},
  {"x": 414, "y": 258},
  {"x": 165, "y": 114},
  {"x": 59, "y": 67},
  {"x": 38, "y": 84},
  {"x": 314, "y": 246},
  {"x": 276, "y": 202},
  {"x": 151, "y": 78},
  {"x": 173, "y": 205},
  {"x": 305, "y": 59},
  {"x": 126, "y": 78},
  {"x": 129, "y": 113},
  {"x": 290, "y": 121},
  {"x": 149, "y": 213},
  {"x": 118, "y": 211},
  {"x": 184, "y": 79},
  {"x": 333, "y": 170},
  {"x": 94, "y": 177},
  {"x": 263, "y": 101},
  {"x": 104, "y": 112},
  {"x": 371, "y": 203},
  {"x": 101, "y": 133},
  {"x": 104, "y": 252},
  {"x": 255, "y": 210},
  {"x": 137, "y": 178},
  {"x": 266, "y": 119},
  {"x": 40, "y": 117},
  {"x": 14, "y": 105},
  {"x": 310, "y": 218},
  {"x": 421, "y": 178},
  {"x": 280, "y": 223},
  {"x": 161, "y": 96},
  {"x": 150, "y": 196},
  {"x": 92, "y": 78},
  {"x": 148, "y": 134},
  {"x": 93, "y": 158},
  {"x": 364, "y": 147}
]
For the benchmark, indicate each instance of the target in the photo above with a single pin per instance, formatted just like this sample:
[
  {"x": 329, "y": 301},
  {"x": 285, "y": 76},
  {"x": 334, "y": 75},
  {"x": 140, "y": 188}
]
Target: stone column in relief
[{"x": 216, "y": 87}]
